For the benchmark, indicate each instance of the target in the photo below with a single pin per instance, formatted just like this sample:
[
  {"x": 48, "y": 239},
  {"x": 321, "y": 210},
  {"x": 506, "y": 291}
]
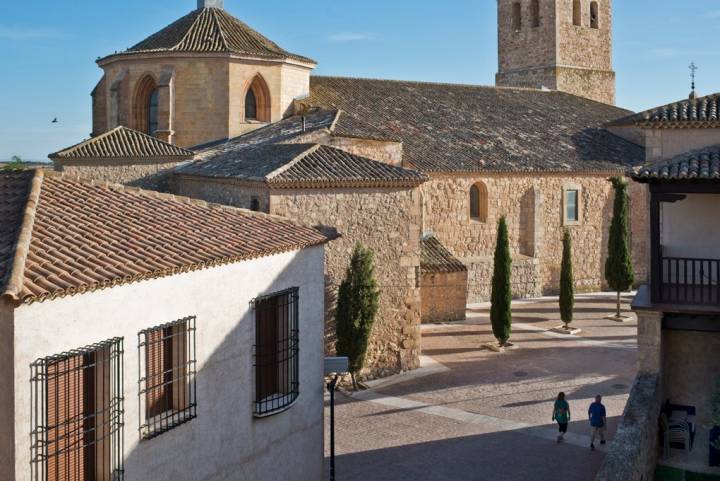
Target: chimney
[{"x": 209, "y": 4}]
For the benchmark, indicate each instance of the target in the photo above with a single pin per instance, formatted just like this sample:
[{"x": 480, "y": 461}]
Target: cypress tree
[
  {"x": 357, "y": 306},
  {"x": 567, "y": 288},
  {"x": 618, "y": 266},
  {"x": 501, "y": 297}
]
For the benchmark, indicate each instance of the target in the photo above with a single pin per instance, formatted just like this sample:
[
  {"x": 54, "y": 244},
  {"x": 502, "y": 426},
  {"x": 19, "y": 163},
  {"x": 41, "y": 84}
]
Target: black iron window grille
[
  {"x": 77, "y": 414},
  {"x": 276, "y": 352},
  {"x": 166, "y": 370}
]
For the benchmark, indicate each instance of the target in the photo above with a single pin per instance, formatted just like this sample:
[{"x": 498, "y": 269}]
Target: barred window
[
  {"x": 77, "y": 414},
  {"x": 276, "y": 351},
  {"x": 167, "y": 367}
]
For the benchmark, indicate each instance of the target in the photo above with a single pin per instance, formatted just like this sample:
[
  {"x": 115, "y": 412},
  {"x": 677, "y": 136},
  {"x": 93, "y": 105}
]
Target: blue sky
[{"x": 48, "y": 50}]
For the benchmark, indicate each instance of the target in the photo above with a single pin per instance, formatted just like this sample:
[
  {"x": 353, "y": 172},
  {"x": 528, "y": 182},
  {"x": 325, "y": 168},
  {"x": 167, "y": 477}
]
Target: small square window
[
  {"x": 167, "y": 389},
  {"x": 572, "y": 211}
]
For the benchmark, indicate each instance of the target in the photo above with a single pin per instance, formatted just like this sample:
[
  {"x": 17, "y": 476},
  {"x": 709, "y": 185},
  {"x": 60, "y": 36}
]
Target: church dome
[{"x": 212, "y": 30}]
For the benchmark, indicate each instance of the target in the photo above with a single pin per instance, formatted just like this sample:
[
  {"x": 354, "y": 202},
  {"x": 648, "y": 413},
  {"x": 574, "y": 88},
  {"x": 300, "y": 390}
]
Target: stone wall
[
  {"x": 223, "y": 191},
  {"x": 533, "y": 205},
  {"x": 634, "y": 449},
  {"x": 556, "y": 53},
  {"x": 691, "y": 370},
  {"x": 136, "y": 173},
  {"x": 444, "y": 296},
  {"x": 387, "y": 221},
  {"x": 201, "y": 97}
]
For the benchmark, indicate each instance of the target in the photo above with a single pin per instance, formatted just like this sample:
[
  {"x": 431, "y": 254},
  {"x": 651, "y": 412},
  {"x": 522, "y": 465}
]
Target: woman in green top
[{"x": 561, "y": 414}]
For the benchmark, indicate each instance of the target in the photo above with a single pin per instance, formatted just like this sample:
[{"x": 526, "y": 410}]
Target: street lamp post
[
  {"x": 334, "y": 366},
  {"x": 331, "y": 389}
]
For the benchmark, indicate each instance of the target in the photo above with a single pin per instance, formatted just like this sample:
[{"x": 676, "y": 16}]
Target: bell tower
[{"x": 561, "y": 45}]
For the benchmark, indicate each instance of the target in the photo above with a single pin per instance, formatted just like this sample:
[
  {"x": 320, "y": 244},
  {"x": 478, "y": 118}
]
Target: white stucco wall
[
  {"x": 667, "y": 143},
  {"x": 691, "y": 227},
  {"x": 225, "y": 441},
  {"x": 7, "y": 441}
]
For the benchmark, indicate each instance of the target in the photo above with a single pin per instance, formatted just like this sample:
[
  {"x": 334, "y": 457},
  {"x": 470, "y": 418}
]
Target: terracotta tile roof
[
  {"x": 462, "y": 128},
  {"x": 434, "y": 257},
  {"x": 212, "y": 30},
  {"x": 298, "y": 166},
  {"x": 122, "y": 142},
  {"x": 346, "y": 125},
  {"x": 321, "y": 165},
  {"x": 697, "y": 165},
  {"x": 702, "y": 112},
  {"x": 14, "y": 192},
  {"x": 86, "y": 236}
]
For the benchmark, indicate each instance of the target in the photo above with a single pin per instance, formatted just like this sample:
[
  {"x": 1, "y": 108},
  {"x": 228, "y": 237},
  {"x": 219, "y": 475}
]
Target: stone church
[{"x": 420, "y": 172}]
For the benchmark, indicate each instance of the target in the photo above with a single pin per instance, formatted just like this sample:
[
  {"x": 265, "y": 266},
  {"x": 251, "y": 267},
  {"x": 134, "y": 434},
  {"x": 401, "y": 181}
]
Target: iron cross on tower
[{"x": 693, "y": 69}]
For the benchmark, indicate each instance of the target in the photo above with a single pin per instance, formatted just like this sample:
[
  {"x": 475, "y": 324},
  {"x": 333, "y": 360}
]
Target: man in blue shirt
[{"x": 597, "y": 416}]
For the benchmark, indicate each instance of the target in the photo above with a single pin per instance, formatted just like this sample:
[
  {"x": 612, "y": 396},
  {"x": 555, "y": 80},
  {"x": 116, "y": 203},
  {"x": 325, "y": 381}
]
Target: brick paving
[{"x": 478, "y": 415}]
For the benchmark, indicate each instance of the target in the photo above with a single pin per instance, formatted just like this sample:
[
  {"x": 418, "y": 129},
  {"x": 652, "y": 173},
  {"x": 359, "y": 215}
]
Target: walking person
[
  {"x": 598, "y": 418},
  {"x": 561, "y": 414}
]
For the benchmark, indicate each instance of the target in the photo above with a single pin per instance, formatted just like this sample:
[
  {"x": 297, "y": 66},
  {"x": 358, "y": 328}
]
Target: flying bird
[{"x": 55, "y": 120}]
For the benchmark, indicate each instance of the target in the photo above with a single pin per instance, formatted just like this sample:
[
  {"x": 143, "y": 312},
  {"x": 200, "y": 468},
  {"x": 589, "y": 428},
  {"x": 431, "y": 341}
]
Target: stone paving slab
[{"x": 475, "y": 414}]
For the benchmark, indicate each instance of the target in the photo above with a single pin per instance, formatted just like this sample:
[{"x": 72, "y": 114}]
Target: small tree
[
  {"x": 618, "y": 266},
  {"x": 16, "y": 163},
  {"x": 567, "y": 287},
  {"x": 501, "y": 297},
  {"x": 357, "y": 305}
]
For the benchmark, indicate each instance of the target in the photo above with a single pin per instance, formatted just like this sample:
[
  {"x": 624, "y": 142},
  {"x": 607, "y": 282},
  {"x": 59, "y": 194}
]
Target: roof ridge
[
  {"x": 338, "y": 113},
  {"x": 121, "y": 128},
  {"x": 312, "y": 148},
  {"x": 216, "y": 21},
  {"x": 22, "y": 244},
  {"x": 175, "y": 48},
  {"x": 429, "y": 82}
]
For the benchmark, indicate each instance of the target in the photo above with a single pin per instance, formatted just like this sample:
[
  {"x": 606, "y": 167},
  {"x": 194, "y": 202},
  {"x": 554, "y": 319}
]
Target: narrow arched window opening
[
  {"x": 594, "y": 15},
  {"x": 577, "y": 13},
  {"x": 257, "y": 101},
  {"x": 517, "y": 16},
  {"x": 153, "y": 112},
  {"x": 146, "y": 106},
  {"x": 479, "y": 202},
  {"x": 250, "y": 106},
  {"x": 535, "y": 11},
  {"x": 254, "y": 204}
]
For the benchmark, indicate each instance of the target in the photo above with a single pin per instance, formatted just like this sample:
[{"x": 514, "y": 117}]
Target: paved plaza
[{"x": 471, "y": 414}]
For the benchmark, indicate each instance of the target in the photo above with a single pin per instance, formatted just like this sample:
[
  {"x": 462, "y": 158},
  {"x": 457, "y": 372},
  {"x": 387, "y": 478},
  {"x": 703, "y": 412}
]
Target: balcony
[{"x": 689, "y": 281}]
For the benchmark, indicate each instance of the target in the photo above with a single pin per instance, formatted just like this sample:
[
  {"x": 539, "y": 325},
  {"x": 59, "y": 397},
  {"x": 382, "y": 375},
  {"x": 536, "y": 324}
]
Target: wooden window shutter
[{"x": 66, "y": 407}]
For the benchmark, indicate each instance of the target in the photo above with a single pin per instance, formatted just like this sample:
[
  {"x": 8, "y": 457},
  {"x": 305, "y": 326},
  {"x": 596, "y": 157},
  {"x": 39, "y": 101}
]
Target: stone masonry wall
[
  {"x": 222, "y": 191},
  {"x": 143, "y": 174},
  {"x": 444, "y": 296},
  {"x": 205, "y": 95},
  {"x": 534, "y": 207},
  {"x": 556, "y": 53},
  {"x": 387, "y": 221},
  {"x": 633, "y": 452}
]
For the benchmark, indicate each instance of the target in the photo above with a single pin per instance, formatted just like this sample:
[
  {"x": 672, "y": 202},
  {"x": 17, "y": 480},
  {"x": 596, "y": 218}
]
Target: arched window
[
  {"x": 257, "y": 101},
  {"x": 517, "y": 16},
  {"x": 479, "y": 202},
  {"x": 535, "y": 11},
  {"x": 254, "y": 204},
  {"x": 250, "y": 105},
  {"x": 145, "y": 106},
  {"x": 153, "y": 112},
  {"x": 577, "y": 13},
  {"x": 594, "y": 15}
]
